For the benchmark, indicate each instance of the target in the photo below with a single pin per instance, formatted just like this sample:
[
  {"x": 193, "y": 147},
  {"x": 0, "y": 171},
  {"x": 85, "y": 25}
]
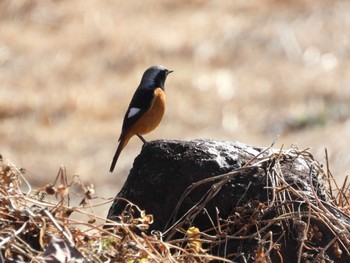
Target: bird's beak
[{"x": 169, "y": 71}]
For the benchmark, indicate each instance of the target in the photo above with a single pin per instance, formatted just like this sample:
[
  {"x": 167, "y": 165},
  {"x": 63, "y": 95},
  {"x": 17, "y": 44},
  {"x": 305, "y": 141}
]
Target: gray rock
[{"x": 165, "y": 169}]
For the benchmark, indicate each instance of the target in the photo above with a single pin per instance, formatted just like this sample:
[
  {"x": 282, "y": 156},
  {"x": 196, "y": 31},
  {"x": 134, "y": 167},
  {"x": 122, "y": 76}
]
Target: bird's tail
[{"x": 122, "y": 143}]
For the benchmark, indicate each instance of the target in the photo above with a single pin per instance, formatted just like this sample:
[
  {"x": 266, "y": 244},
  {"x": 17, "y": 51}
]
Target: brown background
[{"x": 244, "y": 70}]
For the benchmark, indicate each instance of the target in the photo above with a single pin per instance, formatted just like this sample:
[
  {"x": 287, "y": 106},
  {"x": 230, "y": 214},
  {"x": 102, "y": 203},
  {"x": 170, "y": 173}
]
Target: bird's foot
[{"x": 141, "y": 138}]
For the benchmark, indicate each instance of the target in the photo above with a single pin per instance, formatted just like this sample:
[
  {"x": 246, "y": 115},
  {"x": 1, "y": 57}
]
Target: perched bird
[{"x": 146, "y": 108}]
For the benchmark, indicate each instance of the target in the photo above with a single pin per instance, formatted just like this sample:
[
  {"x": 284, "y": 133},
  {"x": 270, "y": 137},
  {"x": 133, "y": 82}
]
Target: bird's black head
[{"x": 154, "y": 76}]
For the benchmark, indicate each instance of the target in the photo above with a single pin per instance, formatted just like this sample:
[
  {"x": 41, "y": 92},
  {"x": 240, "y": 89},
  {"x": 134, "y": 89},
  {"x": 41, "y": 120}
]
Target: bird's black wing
[{"x": 141, "y": 100}]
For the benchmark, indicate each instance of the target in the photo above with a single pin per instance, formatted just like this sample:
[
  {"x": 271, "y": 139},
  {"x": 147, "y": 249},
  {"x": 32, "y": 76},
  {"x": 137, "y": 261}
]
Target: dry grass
[
  {"x": 32, "y": 226},
  {"x": 33, "y": 223}
]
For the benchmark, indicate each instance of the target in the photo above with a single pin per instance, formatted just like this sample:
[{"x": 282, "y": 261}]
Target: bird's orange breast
[{"x": 151, "y": 118}]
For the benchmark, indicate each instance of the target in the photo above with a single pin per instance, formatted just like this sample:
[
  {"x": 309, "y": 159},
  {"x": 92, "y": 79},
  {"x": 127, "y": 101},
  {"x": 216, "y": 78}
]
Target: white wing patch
[{"x": 133, "y": 112}]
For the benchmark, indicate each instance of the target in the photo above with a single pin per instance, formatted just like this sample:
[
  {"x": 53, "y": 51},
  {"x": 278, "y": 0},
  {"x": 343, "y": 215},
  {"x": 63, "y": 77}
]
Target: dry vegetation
[{"x": 38, "y": 228}]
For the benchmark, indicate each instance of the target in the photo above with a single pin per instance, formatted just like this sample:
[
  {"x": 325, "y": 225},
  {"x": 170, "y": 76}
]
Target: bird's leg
[{"x": 141, "y": 138}]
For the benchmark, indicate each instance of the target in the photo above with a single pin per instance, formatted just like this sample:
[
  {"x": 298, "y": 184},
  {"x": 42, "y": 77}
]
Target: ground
[{"x": 250, "y": 71}]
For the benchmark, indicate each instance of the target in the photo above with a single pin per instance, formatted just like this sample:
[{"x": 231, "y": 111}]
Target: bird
[{"x": 146, "y": 108}]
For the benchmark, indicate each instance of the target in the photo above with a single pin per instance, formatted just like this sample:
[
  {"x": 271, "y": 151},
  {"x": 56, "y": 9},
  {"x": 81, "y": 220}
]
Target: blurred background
[{"x": 244, "y": 70}]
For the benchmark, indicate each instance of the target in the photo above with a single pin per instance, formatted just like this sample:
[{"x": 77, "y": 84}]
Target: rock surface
[{"x": 165, "y": 169}]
